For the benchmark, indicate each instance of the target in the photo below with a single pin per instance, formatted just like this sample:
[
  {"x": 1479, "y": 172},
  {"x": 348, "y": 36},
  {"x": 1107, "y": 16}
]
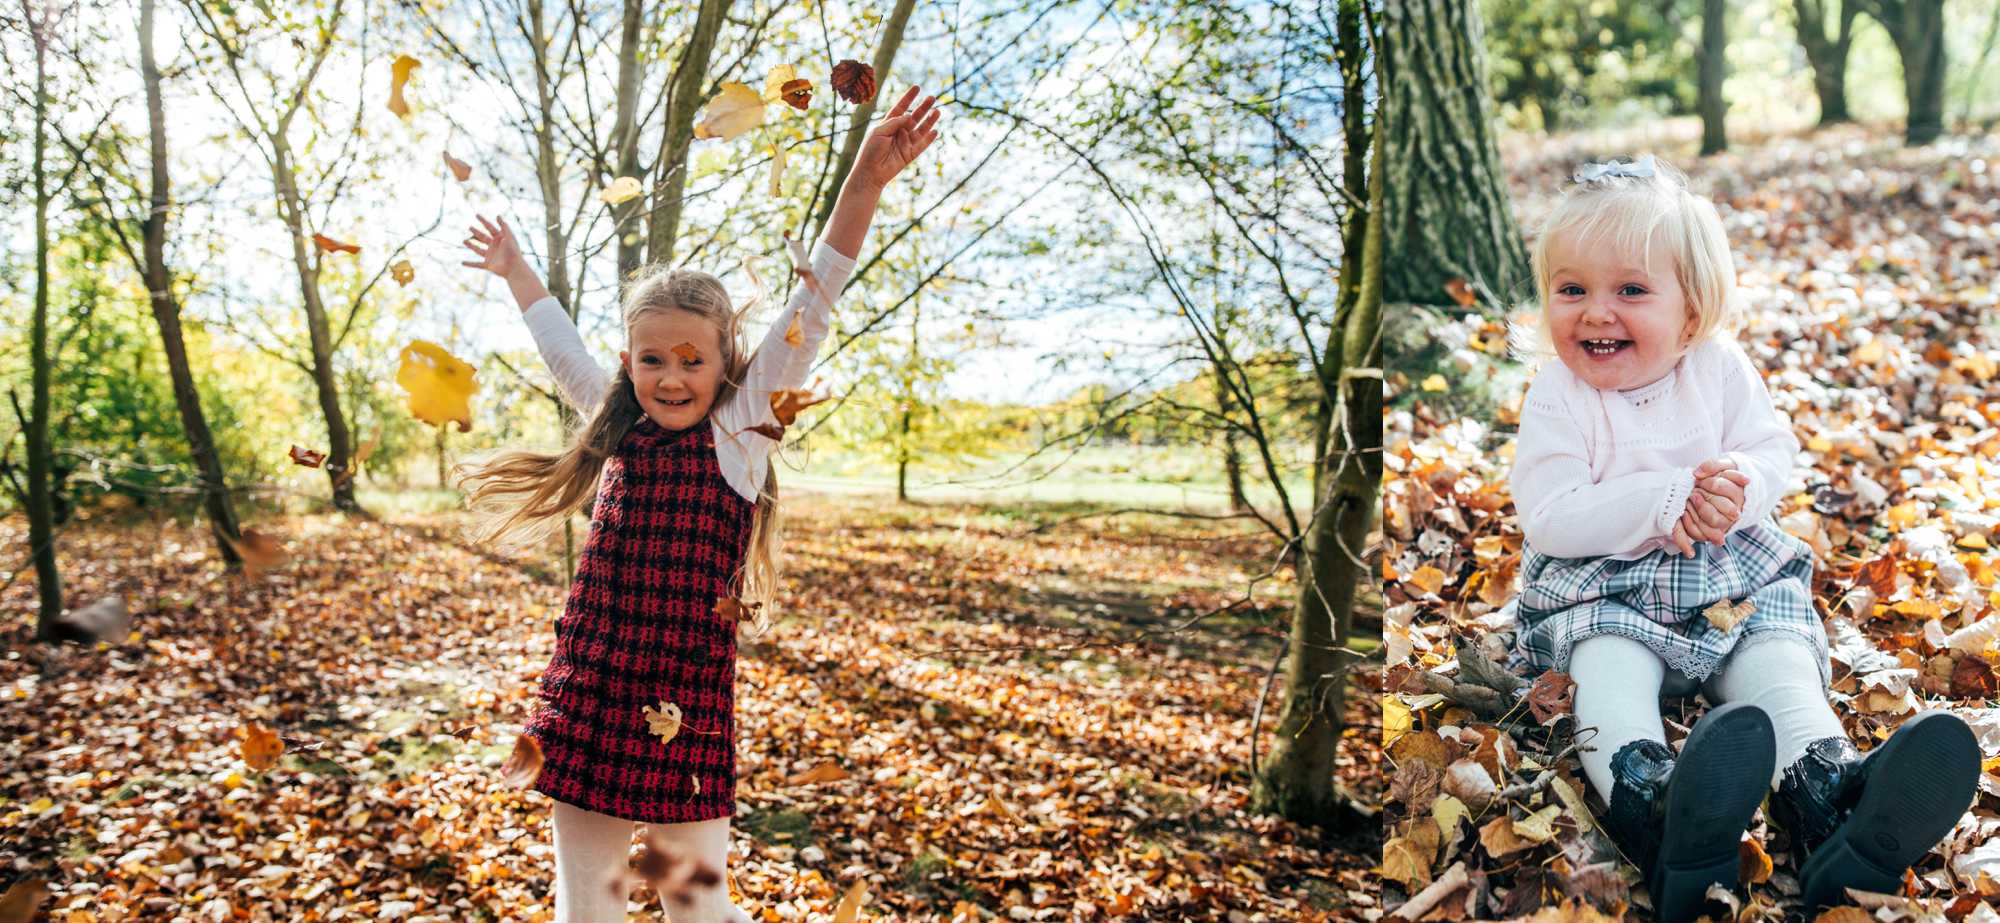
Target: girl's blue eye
[
  {"x": 651, "y": 360},
  {"x": 1630, "y": 290},
  {"x": 1570, "y": 289}
]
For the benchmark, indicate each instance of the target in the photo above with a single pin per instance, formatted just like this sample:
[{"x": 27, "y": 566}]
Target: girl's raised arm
[{"x": 580, "y": 379}]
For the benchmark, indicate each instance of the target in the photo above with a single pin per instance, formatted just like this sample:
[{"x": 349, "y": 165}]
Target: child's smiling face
[
  {"x": 674, "y": 390},
  {"x": 1617, "y": 314}
]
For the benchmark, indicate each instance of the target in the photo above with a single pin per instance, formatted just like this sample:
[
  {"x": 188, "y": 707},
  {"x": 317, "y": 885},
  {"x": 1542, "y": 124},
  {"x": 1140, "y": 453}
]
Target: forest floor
[
  {"x": 987, "y": 767},
  {"x": 1868, "y": 272}
]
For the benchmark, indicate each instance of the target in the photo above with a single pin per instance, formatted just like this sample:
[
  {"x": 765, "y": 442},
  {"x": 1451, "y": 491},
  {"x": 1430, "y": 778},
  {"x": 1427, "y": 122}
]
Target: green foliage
[{"x": 1554, "y": 62}]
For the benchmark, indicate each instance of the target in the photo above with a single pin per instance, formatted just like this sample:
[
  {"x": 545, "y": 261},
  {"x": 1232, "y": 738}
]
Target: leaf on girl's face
[
  {"x": 777, "y": 168},
  {"x": 329, "y": 245},
  {"x": 440, "y": 385},
  {"x": 307, "y": 457},
  {"x": 663, "y": 721},
  {"x": 622, "y": 189},
  {"x": 399, "y": 74},
  {"x": 261, "y": 747},
  {"x": 732, "y": 112},
  {"x": 686, "y": 351},
  {"x": 854, "y": 81},
  {"x": 403, "y": 272},
  {"x": 524, "y": 765},
  {"x": 786, "y": 404},
  {"x": 459, "y": 168}
]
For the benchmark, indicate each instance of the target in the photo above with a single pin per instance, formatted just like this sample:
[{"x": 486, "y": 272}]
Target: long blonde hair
[{"x": 527, "y": 495}]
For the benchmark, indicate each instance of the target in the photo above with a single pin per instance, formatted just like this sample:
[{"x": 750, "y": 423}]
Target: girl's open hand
[
  {"x": 494, "y": 243},
  {"x": 896, "y": 142}
]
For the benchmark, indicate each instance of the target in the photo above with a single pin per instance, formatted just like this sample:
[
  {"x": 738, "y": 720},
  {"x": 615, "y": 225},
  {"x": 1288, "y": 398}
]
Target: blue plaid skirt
[{"x": 1658, "y": 600}]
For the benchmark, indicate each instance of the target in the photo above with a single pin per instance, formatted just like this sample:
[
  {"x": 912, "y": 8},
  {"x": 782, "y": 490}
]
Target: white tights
[
  {"x": 1619, "y": 681},
  {"x": 592, "y": 848}
]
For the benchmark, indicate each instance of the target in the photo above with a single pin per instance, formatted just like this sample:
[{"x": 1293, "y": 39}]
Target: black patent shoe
[
  {"x": 1680, "y": 820},
  {"x": 1860, "y": 821}
]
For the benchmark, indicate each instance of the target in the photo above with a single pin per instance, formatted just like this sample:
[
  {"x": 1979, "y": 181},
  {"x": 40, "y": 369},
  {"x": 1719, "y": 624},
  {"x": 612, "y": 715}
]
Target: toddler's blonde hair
[
  {"x": 1635, "y": 213},
  {"x": 527, "y": 495}
]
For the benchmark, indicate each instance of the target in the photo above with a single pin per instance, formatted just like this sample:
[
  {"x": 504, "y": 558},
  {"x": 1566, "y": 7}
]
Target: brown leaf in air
[
  {"x": 1461, "y": 292},
  {"x": 402, "y": 272},
  {"x": 854, "y": 81},
  {"x": 260, "y": 552},
  {"x": 329, "y": 245},
  {"x": 19, "y": 903},
  {"x": 260, "y": 747},
  {"x": 307, "y": 457},
  {"x": 786, "y": 404},
  {"x": 459, "y": 168},
  {"x": 399, "y": 74},
  {"x": 797, "y": 94},
  {"x": 524, "y": 765},
  {"x": 771, "y": 431},
  {"x": 673, "y": 876},
  {"x": 794, "y": 334},
  {"x": 824, "y": 772}
]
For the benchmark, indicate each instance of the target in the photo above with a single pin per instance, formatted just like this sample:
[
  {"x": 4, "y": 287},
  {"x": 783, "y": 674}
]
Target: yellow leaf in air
[
  {"x": 774, "y": 82},
  {"x": 261, "y": 747},
  {"x": 622, "y": 189},
  {"x": 732, "y": 112},
  {"x": 1435, "y": 383},
  {"x": 665, "y": 721},
  {"x": 794, "y": 334},
  {"x": 824, "y": 772},
  {"x": 850, "y": 903},
  {"x": 403, "y": 271},
  {"x": 777, "y": 168},
  {"x": 459, "y": 168},
  {"x": 440, "y": 385},
  {"x": 1725, "y": 615},
  {"x": 399, "y": 74}
]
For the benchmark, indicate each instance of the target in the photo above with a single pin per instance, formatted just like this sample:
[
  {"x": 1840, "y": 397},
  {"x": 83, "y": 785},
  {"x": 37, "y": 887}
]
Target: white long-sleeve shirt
[
  {"x": 1608, "y": 473},
  {"x": 745, "y": 457}
]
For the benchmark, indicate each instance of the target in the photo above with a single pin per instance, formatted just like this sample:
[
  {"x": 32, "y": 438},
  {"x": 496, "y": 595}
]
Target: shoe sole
[
  {"x": 1717, "y": 784},
  {"x": 1918, "y": 787}
]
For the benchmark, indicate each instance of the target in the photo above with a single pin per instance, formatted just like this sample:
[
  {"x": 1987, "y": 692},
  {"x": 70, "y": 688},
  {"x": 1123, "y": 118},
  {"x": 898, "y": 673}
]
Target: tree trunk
[
  {"x": 167, "y": 311},
  {"x": 1828, "y": 56},
  {"x": 291, "y": 207},
  {"x": 857, "y": 125},
  {"x": 1297, "y": 781},
  {"x": 41, "y": 502},
  {"x": 627, "y": 217},
  {"x": 1713, "y": 66},
  {"x": 443, "y": 480},
  {"x": 684, "y": 99},
  {"x": 548, "y": 168},
  {"x": 1447, "y": 214}
]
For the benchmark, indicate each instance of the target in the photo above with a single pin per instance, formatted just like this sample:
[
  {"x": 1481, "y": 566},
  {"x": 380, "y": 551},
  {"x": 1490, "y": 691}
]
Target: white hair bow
[{"x": 1591, "y": 172}]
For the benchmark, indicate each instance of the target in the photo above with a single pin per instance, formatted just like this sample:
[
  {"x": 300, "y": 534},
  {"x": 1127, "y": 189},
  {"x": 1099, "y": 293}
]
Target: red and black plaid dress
[{"x": 640, "y": 629}]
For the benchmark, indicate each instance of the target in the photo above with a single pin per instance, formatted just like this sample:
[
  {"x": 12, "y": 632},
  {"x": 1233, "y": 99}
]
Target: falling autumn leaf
[
  {"x": 524, "y": 765},
  {"x": 851, "y": 903},
  {"x": 794, "y": 334},
  {"x": 1461, "y": 293},
  {"x": 802, "y": 265},
  {"x": 622, "y": 189},
  {"x": 307, "y": 457},
  {"x": 777, "y": 169},
  {"x": 260, "y": 552},
  {"x": 686, "y": 351},
  {"x": 798, "y": 94},
  {"x": 1725, "y": 615},
  {"x": 440, "y": 385},
  {"x": 782, "y": 84},
  {"x": 786, "y": 404},
  {"x": 663, "y": 721},
  {"x": 329, "y": 245},
  {"x": 399, "y": 74},
  {"x": 260, "y": 747},
  {"x": 734, "y": 611},
  {"x": 854, "y": 81},
  {"x": 402, "y": 271},
  {"x": 459, "y": 168},
  {"x": 824, "y": 772},
  {"x": 733, "y": 111},
  {"x": 771, "y": 431},
  {"x": 18, "y": 904}
]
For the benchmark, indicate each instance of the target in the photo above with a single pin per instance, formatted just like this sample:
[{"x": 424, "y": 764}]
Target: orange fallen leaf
[
  {"x": 1461, "y": 292},
  {"x": 786, "y": 404},
  {"x": 261, "y": 747},
  {"x": 402, "y": 272},
  {"x": 824, "y": 772},
  {"x": 329, "y": 245},
  {"x": 459, "y": 168},
  {"x": 524, "y": 765},
  {"x": 1753, "y": 866}
]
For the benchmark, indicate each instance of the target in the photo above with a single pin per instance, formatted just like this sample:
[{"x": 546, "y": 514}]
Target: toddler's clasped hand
[{"x": 1714, "y": 507}]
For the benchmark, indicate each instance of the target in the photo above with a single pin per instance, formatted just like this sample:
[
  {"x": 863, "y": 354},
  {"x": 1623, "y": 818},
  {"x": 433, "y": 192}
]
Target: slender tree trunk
[
  {"x": 857, "y": 125},
  {"x": 684, "y": 99},
  {"x": 905, "y": 426},
  {"x": 167, "y": 310},
  {"x": 41, "y": 505},
  {"x": 1297, "y": 781},
  {"x": 1828, "y": 56},
  {"x": 1713, "y": 66},
  {"x": 441, "y": 468},
  {"x": 628, "y": 217},
  {"x": 291, "y": 206},
  {"x": 1448, "y": 215},
  {"x": 548, "y": 167}
]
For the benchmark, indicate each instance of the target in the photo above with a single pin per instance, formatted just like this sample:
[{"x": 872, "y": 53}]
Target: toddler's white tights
[
  {"x": 592, "y": 848},
  {"x": 1619, "y": 682}
]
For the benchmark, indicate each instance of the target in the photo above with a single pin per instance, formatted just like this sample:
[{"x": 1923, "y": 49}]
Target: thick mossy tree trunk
[
  {"x": 1448, "y": 215},
  {"x": 1917, "y": 28},
  {"x": 1713, "y": 66},
  {"x": 1828, "y": 55},
  {"x": 167, "y": 310},
  {"x": 1297, "y": 781}
]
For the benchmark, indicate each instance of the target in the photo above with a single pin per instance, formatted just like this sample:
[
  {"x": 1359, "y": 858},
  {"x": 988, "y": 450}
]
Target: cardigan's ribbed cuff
[{"x": 1678, "y": 491}]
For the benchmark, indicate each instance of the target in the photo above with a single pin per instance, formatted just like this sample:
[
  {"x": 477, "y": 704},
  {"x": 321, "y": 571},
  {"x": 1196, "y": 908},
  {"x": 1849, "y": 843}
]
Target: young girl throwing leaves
[
  {"x": 636, "y": 721},
  {"x": 1649, "y": 463}
]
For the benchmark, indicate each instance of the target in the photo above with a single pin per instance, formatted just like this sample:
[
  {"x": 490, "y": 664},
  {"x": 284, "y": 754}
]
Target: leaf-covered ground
[
  {"x": 1869, "y": 275},
  {"x": 986, "y": 773}
]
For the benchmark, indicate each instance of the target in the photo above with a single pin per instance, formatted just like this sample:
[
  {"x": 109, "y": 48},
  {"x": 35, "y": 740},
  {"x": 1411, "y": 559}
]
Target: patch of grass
[
  {"x": 789, "y": 827},
  {"x": 920, "y": 869}
]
